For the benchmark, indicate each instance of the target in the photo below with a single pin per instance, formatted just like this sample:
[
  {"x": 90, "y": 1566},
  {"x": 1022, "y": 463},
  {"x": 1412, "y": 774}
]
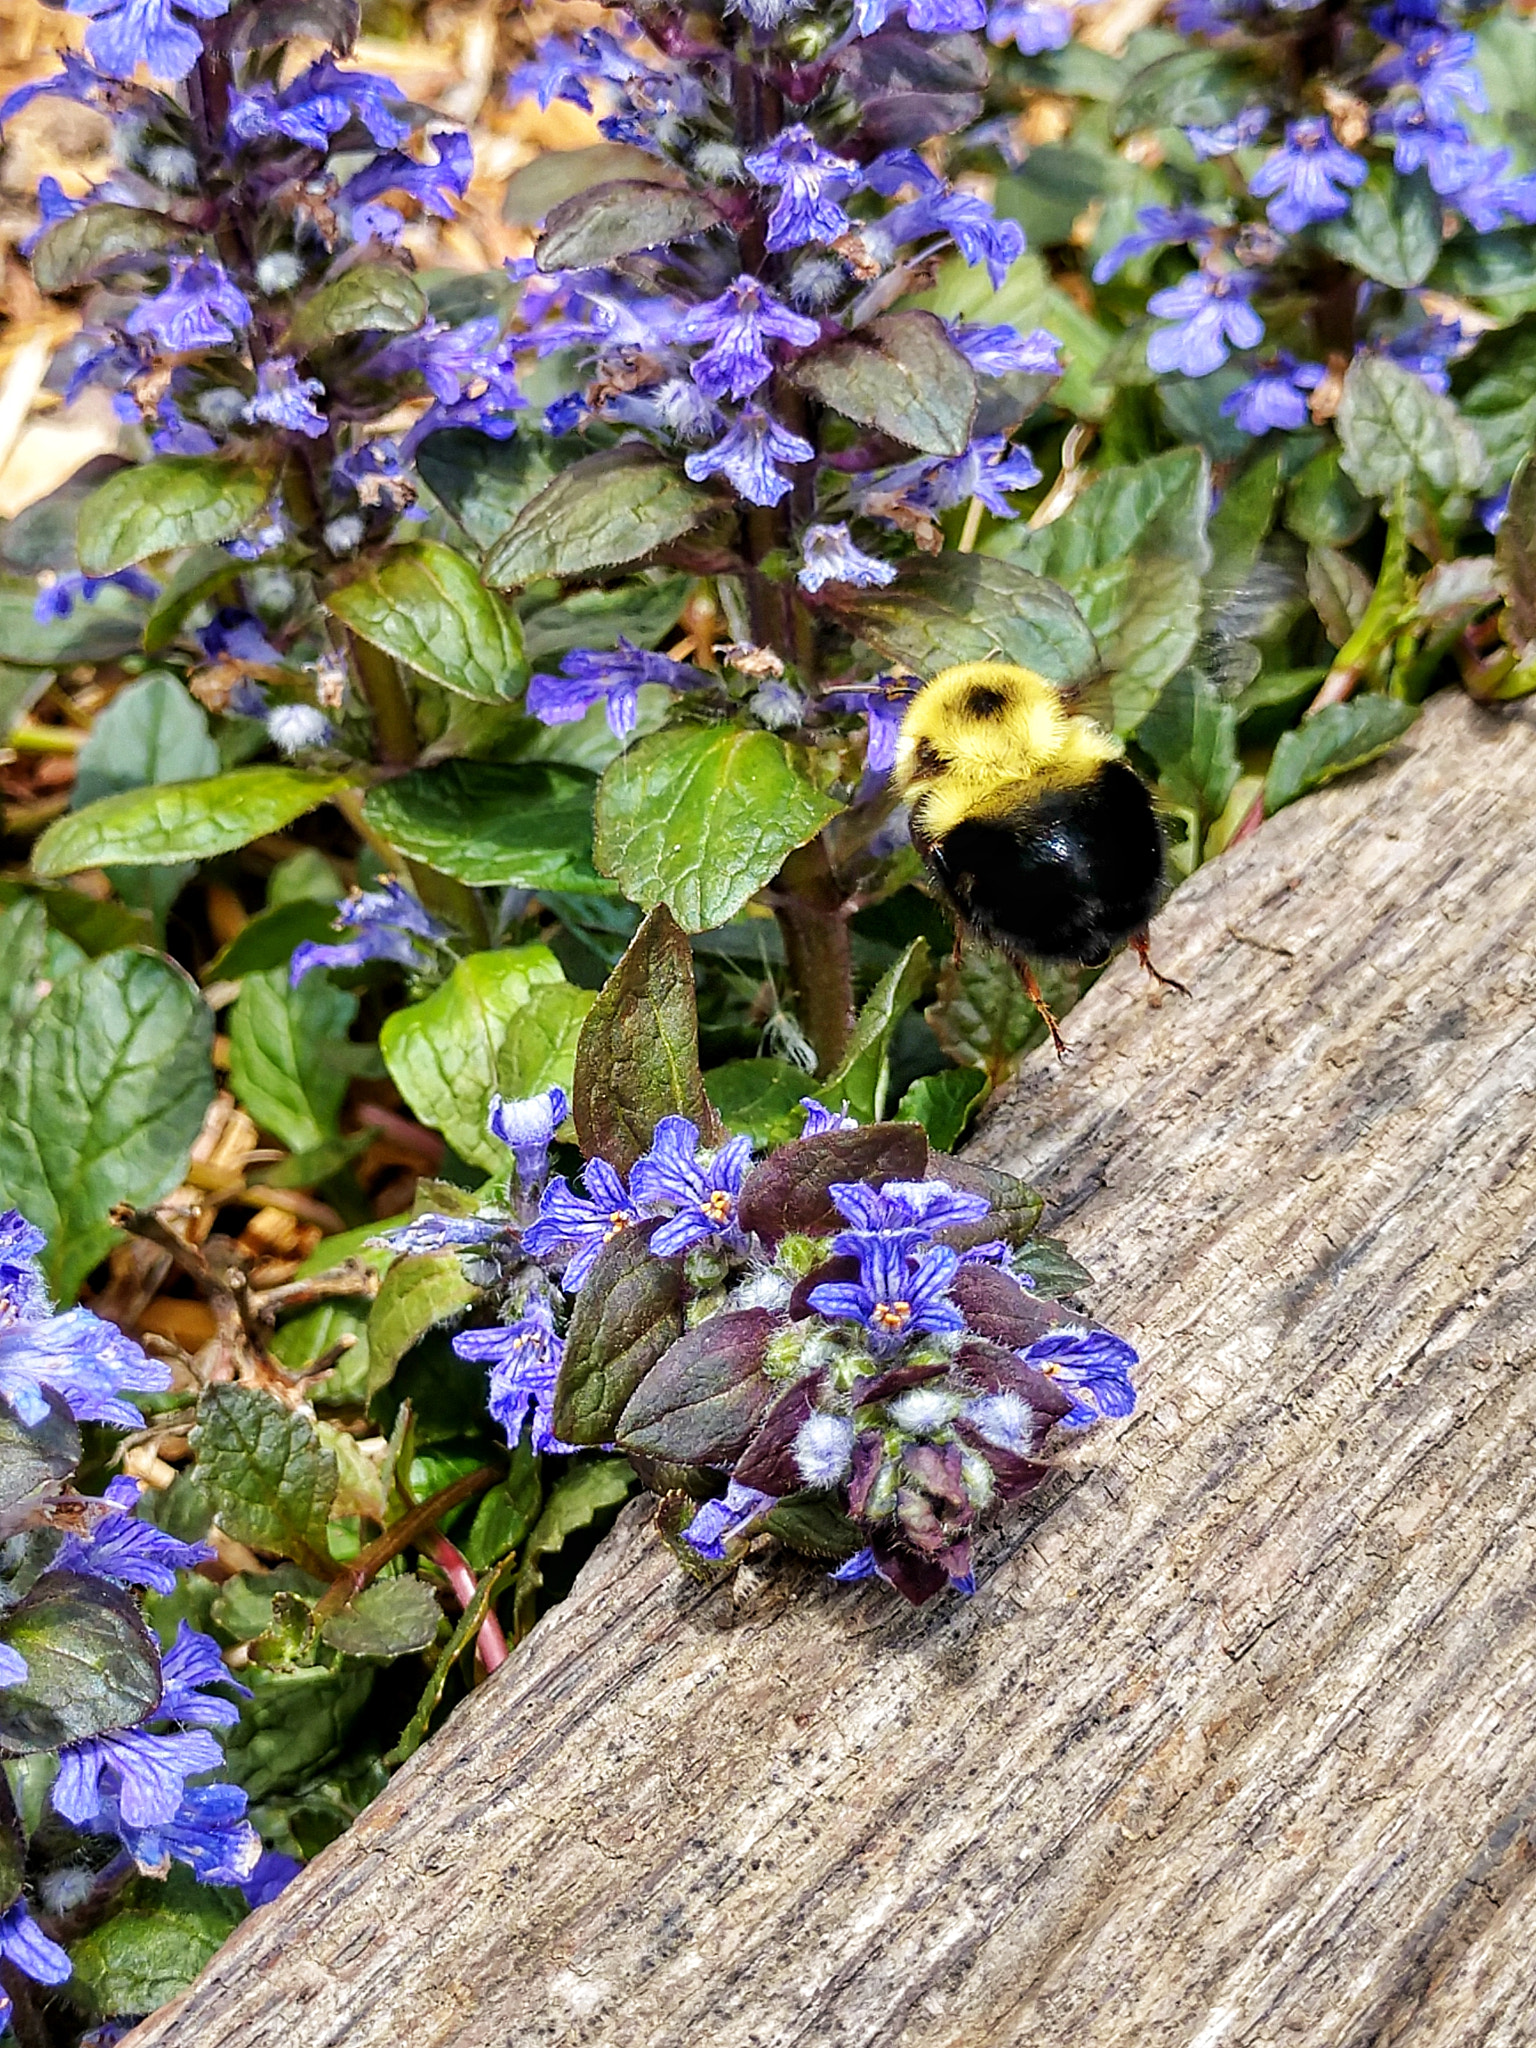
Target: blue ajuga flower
[
  {"x": 553, "y": 72},
  {"x": 84, "y": 1360},
  {"x": 1490, "y": 196},
  {"x": 74, "y": 80},
  {"x": 718, "y": 1520},
  {"x": 1491, "y": 512},
  {"x": 1092, "y": 1366},
  {"x": 318, "y": 104},
  {"x": 1440, "y": 64},
  {"x": 447, "y": 359},
  {"x": 1211, "y": 316},
  {"x": 386, "y": 924},
  {"x": 928, "y": 17},
  {"x": 138, "y": 1775},
  {"x": 1001, "y": 350},
  {"x": 811, "y": 181},
  {"x": 1158, "y": 227},
  {"x": 58, "y": 598},
  {"x": 524, "y": 1358},
  {"x": 968, "y": 221},
  {"x": 818, "y": 1118},
  {"x": 126, "y": 33},
  {"x": 434, "y": 1233},
  {"x": 738, "y": 324},
  {"x": 53, "y": 204},
  {"x": 987, "y": 469},
  {"x": 611, "y": 677},
  {"x": 829, "y": 556},
  {"x": 698, "y": 1196},
  {"x": 747, "y": 455},
  {"x": 1240, "y": 132},
  {"x": 285, "y": 399},
  {"x": 579, "y": 1228},
  {"x": 884, "y": 703},
  {"x": 174, "y": 434},
  {"x": 272, "y": 1873},
  {"x": 208, "y": 1832},
  {"x": 861, "y": 1565},
  {"x": 120, "y": 1547},
  {"x": 1428, "y": 348},
  {"x": 435, "y": 186},
  {"x": 201, "y": 307},
  {"x": 234, "y": 635},
  {"x": 26, "y": 1948},
  {"x": 13, "y": 1666},
  {"x": 600, "y": 322},
  {"x": 527, "y": 1128},
  {"x": 1274, "y": 397},
  {"x": 24, "y": 1296},
  {"x": 918, "y": 1207},
  {"x": 896, "y": 1294},
  {"x": 1032, "y": 26},
  {"x": 1444, "y": 149},
  {"x": 1304, "y": 176}
]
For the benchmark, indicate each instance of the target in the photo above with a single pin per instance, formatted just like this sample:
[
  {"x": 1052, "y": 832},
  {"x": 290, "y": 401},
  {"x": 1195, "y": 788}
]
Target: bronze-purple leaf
[
  {"x": 629, "y": 1310},
  {"x": 768, "y": 1462},
  {"x": 702, "y": 1400},
  {"x": 789, "y": 1191}
]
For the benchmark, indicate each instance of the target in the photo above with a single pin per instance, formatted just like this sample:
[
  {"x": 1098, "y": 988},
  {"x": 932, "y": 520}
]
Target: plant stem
[
  {"x": 394, "y": 723},
  {"x": 411, "y": 1528},
  {"x": 455, "y": 1568},
  {"x": 813, "y": 917}
]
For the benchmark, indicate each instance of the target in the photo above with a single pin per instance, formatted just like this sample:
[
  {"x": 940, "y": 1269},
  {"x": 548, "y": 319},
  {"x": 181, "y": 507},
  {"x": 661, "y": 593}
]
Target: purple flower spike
[
  {"x": 894, "y": 1296},
  {"x": 429, "y": 1234},
  {"x": 738, "y": 324},
  {"x": 13, "y": 1666},
  {"x": 1212, "y": 316},
  {"x": 718, "y": 1520},
  {"x": 611, "y": 678},
  {"x": 319, "y": 104},
  {"x": 524, "y": 1358},
  {"x": 818, "y": 1118},
  {"x": 387, "y": 924},
  {"x": 970, "y": 224},
  {"x": 903, "y": 1205},
  {"x": 1239, "y": 133},
  {"x": 1274, "y": 398},
  {"x": 137, "y": 1776},
  {"x": 527, "y": 1128},
  {"x": 1489, "y": 197},
  {"x": 884, "y": 703},
  {"x": 700, "y": 1195},
  {"x": 553, "y": 72},
  {"x": 208, "y": 1832},
  {"x": 188, "y": 1668},
  {"x": 26, "y": 1948},
  {"x": 585, "y": 1226},
  {"x": 811, "y": 181},
  {"x": 831, "y": 557},
  {"x": 126, "y": 33},
  {"x": 273, "y": 1873},
  {"x": 200, "y": 308},
  {"x": 1441, "y": 64},
  {"x": 24, "y": 1297},
  {"x": 747, "y": 455},
  {"x": 436, "y": 187},
  {"x": 1000, "y": 351},
  {"x": 56, "y": 600},
  {"x": 1444, "y": 149},
  {"x": 283, "y": 399},
  {"x": 1159, "y": 227},
  {"x": 84, "y": 1360},
  {"x": 1092, "y": 1366},
  {"x": 1032, "y": 26},
  {"x": 860, "y": 1566},
  {"x": 1305, "y": 174},
  {"x": 127, "y": 1551}
]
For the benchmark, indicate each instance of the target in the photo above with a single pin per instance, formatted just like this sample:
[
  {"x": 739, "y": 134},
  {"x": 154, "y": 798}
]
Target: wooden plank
[{"x": 1234, "y": 1743}]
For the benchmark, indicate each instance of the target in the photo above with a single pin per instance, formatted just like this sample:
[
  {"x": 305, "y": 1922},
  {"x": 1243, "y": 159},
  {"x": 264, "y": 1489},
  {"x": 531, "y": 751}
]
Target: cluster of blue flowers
[
  {"x": 149, "y": 1785},
  {"x": 908, "y": 1382}
]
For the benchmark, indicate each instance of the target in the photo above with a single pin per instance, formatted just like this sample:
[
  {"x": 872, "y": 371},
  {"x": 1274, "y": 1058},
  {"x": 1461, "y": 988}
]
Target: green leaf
[
  {"x": 558, "y": 174},
  {"x": 1132, "y": 550},
  {"x": 76, "y": 250},
  {"x": 91, "y": 1664},
  {"x": 1054, "y": 1271},
  {"x": 596, "y": 226},
  {"x": 862, "y": 1078},
  {"x": 1187, "y": 89},
  {"x": 983, "y": 1018},
  {"x": 699, "y": 817},
  {"x": 391, "y": 1618},
  {"x": 282, "y": 1063},
  {"x": 309, "y": 1335},
  {"x": 444, "y": 1054},
  {"x": 158, "y": 1938},
  {"x": 576, "y": 1500},
  {"x": 202, "y": 575},
  {"x": 33, "y": 1461},
  {"x": 378, "y": 298},
  {"x": 1500, "y": 268},
  {"x": 1514, "y": 555},
  {"x": 100, "y": 631},
  {"x": 1330, "y": 743},
  {"x": 24, "y": 949},
  {"x": 638, "y": 1056},
  {"x": 760, "y": 1097},
  {"x": 425, "y": 605},
  {"x": 790, "y": 1191},
  {"x": 1397, "y": 432},
  {"x": 505, "y": 1514},
  {"x": 484, "y": 483},
  {"x": 416, "y": 1295},
  {"x": 153, "y": 731},
  {"x": 641, "y": 611},
  {"x": 269, "y": 939},
  {"x": 173, "y": 502},
  {"x": 295, "y": 1722},
  {"x": 102, "y": 1099},
  {"x": 490, "y": 823},
  {"x": 1391, "y": 231},
  {"x": 539, "y": 1049},
  {"x": 1241, "y": 522},
  {"x": 487, "y": 1593},
  {"x": 951, "y": 608},
  {"x": 901, "y": 375},
  {"x": 20, "y": 689},
  {"x": 628, "y": 1312},
  {"x": 269, "y": 1477},
  {"x": 181, "y": 820},
  {"x": 1192, "y": 736},
  {"x": 699, "y": 1402},
  {"x": 607, "y": 509},
  {"x": 944, "y": 1104},
  {"x": 1323, "y": 507}
]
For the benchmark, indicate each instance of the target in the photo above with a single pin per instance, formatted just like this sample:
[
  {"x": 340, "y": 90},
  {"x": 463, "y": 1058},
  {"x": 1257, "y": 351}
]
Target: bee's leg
[
  {"x": 1141, "y": 946},
  {"x": 1047, "y": 1015}
]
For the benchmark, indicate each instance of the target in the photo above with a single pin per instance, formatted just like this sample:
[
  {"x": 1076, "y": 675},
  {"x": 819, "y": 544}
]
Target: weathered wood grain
[{"x": 1236, "y": 1742}]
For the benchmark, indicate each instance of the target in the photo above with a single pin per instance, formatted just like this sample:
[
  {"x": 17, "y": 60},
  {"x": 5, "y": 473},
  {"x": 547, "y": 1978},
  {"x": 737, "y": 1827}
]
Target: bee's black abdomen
[{"x": 1066, "y": 878}]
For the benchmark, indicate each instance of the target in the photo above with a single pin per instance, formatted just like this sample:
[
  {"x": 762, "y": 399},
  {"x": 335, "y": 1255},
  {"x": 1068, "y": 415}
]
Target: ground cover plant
[{"x": 473, "y": 1037}]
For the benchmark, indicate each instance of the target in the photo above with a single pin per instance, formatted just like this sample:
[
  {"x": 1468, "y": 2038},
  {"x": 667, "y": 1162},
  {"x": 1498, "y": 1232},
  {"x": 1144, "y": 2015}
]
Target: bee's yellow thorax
[{"x": 983, "y": 739}]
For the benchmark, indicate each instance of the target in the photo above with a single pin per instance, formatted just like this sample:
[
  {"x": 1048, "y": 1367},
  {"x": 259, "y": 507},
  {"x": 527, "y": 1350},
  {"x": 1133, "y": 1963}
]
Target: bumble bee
[{"x": 1039, "y": 836}]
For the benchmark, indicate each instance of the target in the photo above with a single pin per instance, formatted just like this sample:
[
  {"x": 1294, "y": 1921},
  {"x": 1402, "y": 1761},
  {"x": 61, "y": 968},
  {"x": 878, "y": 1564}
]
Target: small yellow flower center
[
  {"x": 892, "y": 1315},
  {"x": 717, "y": 1207},
  {"x": 617, "y": 1221}
]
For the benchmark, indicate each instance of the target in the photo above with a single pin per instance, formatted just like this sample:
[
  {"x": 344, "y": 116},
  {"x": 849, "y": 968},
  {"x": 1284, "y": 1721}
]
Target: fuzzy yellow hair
[{"x": 982, "y": 740}]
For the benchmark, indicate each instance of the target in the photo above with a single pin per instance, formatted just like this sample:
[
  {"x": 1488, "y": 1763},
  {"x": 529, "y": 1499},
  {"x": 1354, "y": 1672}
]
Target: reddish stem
[{"x": 455, "y": 1568}]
